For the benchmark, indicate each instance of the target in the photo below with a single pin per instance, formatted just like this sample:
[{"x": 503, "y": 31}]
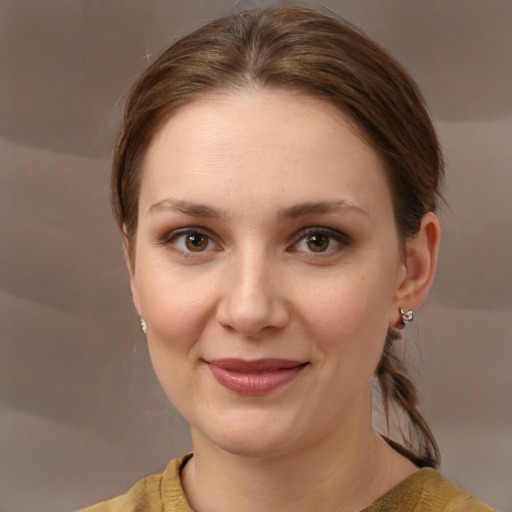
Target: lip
[{"x": 254, "y": 378}]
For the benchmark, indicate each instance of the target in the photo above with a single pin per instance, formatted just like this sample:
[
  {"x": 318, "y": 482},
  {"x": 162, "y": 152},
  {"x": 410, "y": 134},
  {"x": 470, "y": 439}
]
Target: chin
[{"x": 254, "y": 447}]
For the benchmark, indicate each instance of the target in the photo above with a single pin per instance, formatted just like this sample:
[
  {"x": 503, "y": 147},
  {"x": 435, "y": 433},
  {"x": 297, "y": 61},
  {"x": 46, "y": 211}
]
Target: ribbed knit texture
[{"x": 427, "y": 491}]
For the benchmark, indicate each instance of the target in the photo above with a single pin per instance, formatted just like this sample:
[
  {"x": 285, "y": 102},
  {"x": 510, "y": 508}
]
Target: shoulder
[
  {"x": 428, "y": 491},
  {"x": 148, "y": 494},
  {"x": 145, "y": 496}
]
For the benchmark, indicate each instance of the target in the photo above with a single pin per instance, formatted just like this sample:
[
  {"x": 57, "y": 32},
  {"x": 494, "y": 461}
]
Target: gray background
[{"x": 81, "y": 415}]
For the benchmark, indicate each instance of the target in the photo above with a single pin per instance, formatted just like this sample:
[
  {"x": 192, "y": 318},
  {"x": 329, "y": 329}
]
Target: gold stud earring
[{"x": 407, "y": 316}]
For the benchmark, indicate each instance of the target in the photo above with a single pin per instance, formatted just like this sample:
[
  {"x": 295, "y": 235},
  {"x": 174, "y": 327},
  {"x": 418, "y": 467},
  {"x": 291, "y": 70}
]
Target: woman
[{"x": 275, "y": 183}]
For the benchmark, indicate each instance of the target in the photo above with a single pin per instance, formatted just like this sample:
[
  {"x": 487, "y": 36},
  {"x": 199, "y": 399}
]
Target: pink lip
[{"x": 254, "y": 377}]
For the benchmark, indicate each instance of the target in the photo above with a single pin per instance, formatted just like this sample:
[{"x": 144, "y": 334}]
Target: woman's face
[{"x": 267, "y": 266}]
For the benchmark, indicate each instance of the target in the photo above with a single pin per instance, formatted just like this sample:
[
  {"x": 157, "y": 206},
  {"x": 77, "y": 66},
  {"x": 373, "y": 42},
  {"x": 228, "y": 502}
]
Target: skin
[{"x": 239, "y": 168}]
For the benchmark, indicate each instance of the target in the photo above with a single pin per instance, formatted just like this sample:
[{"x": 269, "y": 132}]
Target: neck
[{"x": 343, "y": 473}]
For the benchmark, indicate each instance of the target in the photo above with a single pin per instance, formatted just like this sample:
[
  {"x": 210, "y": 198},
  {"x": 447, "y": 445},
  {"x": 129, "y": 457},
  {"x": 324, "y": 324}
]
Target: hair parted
[{"x": 305, "y": 51}]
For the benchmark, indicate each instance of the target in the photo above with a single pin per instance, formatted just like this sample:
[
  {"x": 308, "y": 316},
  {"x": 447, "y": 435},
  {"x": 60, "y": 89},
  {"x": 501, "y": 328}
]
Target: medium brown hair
[{"x": 301, "y": 50}]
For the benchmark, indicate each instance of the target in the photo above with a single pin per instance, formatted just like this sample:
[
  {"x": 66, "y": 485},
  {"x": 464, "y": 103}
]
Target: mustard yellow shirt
[{"x": 424, "y": 491}]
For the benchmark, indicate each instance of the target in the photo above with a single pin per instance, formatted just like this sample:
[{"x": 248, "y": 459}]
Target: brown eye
[
  {"x": 317, "y": 242},
  {"x": 196, "y": 242},
  {"x": 321, "y": 241}
]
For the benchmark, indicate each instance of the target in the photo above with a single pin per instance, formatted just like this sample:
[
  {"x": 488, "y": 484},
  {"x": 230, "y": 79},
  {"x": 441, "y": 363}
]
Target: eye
[
  {"x": 191, "y": 241},
  {"x": 320, "y": 240},
  {"x": 196, "y": 242}
]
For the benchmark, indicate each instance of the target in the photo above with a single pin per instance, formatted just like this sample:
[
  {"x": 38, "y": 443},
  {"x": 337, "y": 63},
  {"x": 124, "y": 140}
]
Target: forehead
[{"x": 261, "y": 145}]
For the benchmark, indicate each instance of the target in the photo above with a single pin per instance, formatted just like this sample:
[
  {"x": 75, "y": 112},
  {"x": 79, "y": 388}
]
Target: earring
[
  {"x": 407, "y": 316},
  {"x": 143, "y": 326}
]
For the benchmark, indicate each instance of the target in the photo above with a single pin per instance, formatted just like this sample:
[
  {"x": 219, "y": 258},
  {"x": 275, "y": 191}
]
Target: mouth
[{"x": 254, "y": 378}]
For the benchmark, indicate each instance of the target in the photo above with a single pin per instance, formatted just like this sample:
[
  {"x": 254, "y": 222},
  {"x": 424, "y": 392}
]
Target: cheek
[
  {"x": 175, "y": 305},
  {"x": 349, "y": 320},
  {"x": 349, "y": 302},
  {"x": 177, "y": 313}
]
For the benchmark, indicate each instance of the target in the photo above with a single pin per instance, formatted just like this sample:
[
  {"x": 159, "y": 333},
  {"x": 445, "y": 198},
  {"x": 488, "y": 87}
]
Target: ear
[
  {"x": 419, "y": 268},
  {"x": 129, "y": 257}
]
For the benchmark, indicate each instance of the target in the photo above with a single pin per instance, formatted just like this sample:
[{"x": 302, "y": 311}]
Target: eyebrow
[
  {"x": 311, "y": 208},
  {"x": 292, "y": 212},
  {"x": 186, "y": 207}
]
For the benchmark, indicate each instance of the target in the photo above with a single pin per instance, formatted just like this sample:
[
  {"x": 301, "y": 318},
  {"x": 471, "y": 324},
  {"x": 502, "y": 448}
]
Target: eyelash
[
  {"x": 341, "y": 239},
  {"x": 170, "y": 240}
]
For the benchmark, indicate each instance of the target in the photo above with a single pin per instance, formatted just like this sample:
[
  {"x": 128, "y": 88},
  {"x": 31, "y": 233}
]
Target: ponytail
[{"x": 420, "y": 445}]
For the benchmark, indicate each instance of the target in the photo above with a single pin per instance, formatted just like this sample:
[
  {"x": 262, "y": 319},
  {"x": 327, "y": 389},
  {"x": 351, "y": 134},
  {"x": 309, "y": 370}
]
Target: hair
[{"x": 305, "y": 51}]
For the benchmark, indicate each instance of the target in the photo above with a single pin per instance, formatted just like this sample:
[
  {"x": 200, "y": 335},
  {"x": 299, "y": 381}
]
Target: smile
[{"x": 254, "y": 378}]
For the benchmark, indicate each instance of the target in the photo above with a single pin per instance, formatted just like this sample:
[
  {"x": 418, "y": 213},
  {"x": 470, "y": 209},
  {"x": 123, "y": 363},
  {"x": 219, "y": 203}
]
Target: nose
[{"x": 253, "y": 300}]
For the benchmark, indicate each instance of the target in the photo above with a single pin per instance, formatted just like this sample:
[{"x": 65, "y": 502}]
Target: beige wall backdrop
[{"x": 81, "y": 415}]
